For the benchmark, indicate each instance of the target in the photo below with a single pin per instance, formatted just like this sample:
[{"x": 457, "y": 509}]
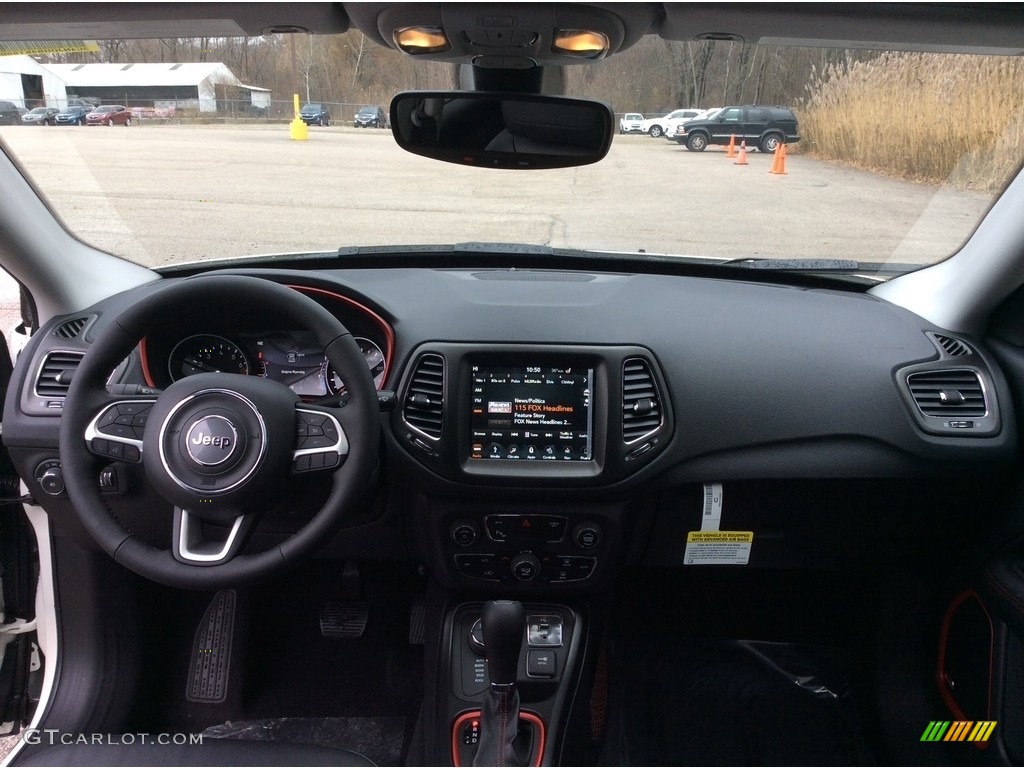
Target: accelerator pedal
[
  {"x": 210, "y": 667},
  {"x": 417, "y": 621}
]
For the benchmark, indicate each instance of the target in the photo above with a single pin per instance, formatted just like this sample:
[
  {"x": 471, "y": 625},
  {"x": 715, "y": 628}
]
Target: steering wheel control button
[
  {"x": 319, "y": 442},
  {"x": 123, "y": 421},
  {"x": 117, "y": 431},
  {"x": 212, "y": 441}
]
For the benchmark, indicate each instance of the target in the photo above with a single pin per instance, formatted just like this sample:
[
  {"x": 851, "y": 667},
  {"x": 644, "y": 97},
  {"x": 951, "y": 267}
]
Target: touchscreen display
[{"x": 531, "y": 413}]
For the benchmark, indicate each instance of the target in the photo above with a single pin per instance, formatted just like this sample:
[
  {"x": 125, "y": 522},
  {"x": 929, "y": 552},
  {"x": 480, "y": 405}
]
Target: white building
[
  {"x": 29, "y": 84},
  {"x": 161, "y": 86}
]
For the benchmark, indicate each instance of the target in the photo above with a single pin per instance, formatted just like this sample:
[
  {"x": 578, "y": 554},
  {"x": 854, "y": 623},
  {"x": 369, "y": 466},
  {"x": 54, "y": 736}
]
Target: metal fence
[{"x": 210, "y": 110}]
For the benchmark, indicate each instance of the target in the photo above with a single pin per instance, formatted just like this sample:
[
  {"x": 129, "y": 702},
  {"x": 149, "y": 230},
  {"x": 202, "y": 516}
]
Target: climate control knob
[{"x": 525, "y": 567}]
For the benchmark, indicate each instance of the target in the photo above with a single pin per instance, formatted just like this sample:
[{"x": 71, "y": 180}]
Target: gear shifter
[{"x": 504, "y": 624}]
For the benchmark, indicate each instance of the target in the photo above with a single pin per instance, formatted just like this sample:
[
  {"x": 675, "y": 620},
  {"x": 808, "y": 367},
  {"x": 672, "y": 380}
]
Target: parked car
[
  {"x": 438, "y": 449},
  {"x": 673, "y": 125},
  {"x": 631, "y": 122},
  {"x": 761, "y": 127},
  {"x": 109, "y": 114},
  {"x": 315, "y": 114},
  {"x": 10, "y": 113},
  {"x": 73, "y": 115},
  {"x": 41, "y": 116},
  {"x": 656, "y": 126},
  {"x": 370, "y": 117}
]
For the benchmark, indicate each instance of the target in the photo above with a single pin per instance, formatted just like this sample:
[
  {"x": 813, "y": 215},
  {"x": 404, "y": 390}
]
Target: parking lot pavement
[{"x": 148, "y": 191}]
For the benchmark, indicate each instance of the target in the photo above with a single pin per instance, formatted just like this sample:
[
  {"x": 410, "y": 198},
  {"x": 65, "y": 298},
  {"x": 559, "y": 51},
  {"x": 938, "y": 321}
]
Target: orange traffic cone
[
  {"x": 779, "y": 161},
  {"x": 731, "y": 153},
  {"x": 742, "y": 157}
]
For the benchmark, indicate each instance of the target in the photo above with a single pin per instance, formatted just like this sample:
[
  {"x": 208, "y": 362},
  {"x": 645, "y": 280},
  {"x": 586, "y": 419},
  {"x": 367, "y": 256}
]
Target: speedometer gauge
[
  {"x": 375, "y": 361},
  {"x": 206, "y": 353}
]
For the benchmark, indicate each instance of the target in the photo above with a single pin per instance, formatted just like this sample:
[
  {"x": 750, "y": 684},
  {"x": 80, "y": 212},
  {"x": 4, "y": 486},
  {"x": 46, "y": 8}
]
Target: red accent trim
[
  {"x": 144, "y": 362},
  {"x": 940, "y": 671},
  {"x": 382, "y": 324},
  {"x": 461, "y": 720}
]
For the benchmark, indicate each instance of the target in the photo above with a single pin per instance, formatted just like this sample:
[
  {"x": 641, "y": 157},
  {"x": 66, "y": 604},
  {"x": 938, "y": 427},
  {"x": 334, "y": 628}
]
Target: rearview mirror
[{"x": 501, "y": 130}]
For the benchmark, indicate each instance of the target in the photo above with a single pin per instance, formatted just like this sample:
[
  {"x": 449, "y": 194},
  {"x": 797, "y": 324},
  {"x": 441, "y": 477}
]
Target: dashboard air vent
[
  {"x": 70, "y": 329},
  {"x": 423, "y": 409},
  {"x": 641, "y": 403},
  {"x": 956, "y": 393},
  {"x": 952, "y": 347},
  {"x": 56, "y": 373}
]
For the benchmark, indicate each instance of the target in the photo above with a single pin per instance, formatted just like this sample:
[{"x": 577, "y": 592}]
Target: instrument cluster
[{"x": 290, "y": 356}]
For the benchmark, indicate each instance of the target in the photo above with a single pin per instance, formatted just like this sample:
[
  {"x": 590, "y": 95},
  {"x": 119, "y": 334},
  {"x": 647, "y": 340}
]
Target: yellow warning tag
[{"x": 718, "y": 547}]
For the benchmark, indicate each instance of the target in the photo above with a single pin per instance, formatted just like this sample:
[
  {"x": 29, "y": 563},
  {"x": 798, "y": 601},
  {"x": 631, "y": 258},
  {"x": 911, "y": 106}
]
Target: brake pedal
[{"x": 344, "y": 620}]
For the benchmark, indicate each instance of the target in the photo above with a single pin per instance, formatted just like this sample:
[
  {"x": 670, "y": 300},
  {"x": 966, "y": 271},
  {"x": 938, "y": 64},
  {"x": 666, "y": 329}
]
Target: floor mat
[
  {"x": 378, "y": 738},
  {"x": 732, "y": 703}
]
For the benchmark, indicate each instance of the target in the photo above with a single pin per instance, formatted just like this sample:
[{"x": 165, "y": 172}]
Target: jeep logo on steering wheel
[{"x": 210, "y": 440}]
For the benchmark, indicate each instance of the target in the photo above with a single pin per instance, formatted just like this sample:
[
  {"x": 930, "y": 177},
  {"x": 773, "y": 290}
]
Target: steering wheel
[{"x": 217, "y": 446}]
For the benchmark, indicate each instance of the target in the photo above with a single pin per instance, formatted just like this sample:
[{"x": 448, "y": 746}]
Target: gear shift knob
[{"x": 504, "y": 624}]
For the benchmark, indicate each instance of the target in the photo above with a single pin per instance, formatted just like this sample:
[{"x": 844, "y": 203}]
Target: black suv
[
  {"x": 9, "y": 113},
  {"x": 371, "y": 116},
  {"x": 760, "y": 126},
  {"x": 315, "y": 114}
]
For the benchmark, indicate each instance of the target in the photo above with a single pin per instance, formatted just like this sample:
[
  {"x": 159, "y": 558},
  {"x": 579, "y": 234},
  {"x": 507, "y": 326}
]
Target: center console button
[
  {"x": 541, "y": 664},
  {"x": 587, "y": 535},
  {"x": 464, "y": 532}
]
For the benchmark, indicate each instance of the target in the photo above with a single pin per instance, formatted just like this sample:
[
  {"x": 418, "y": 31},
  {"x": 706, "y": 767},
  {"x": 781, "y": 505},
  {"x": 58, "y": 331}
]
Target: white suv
[
  {"x": 631, "y": 122},
  {"x": 658, "y": 126}
]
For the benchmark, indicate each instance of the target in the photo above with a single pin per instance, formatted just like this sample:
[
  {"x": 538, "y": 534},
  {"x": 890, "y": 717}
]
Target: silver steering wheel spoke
[{"x": 192, "y": 545}]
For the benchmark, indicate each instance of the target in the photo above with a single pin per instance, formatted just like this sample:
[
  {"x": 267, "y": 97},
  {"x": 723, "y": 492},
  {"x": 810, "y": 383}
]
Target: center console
[
  {"x": 508, "y": 450},
  {"x": 545, "y": 669}
]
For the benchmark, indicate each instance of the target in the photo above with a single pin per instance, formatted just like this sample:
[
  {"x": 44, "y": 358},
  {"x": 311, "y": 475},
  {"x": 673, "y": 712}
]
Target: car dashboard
[{"x": 544, "y": 428}]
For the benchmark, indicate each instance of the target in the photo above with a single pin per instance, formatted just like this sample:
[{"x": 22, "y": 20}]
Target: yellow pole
[{"x": 298, "y": 129}]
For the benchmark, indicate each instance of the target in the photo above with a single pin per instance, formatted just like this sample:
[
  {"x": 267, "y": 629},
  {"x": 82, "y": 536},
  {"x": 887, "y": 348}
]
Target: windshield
[{"x": 881, "y": 166}]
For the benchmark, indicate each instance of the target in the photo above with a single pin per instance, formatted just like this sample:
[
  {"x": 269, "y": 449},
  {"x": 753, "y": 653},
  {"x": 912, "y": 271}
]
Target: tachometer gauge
[
  {"x": 206, "y": 353},
  {"x": 375, "y": 361}
]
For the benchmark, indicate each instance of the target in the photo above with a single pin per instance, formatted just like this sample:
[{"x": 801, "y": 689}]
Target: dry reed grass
[{"x": 956, "y": 120}]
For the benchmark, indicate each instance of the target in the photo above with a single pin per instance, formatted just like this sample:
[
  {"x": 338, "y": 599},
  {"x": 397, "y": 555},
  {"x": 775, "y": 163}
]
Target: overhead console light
[
  {"x": 420, "y": 40},
  {"x": 584, "y": 43}
]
